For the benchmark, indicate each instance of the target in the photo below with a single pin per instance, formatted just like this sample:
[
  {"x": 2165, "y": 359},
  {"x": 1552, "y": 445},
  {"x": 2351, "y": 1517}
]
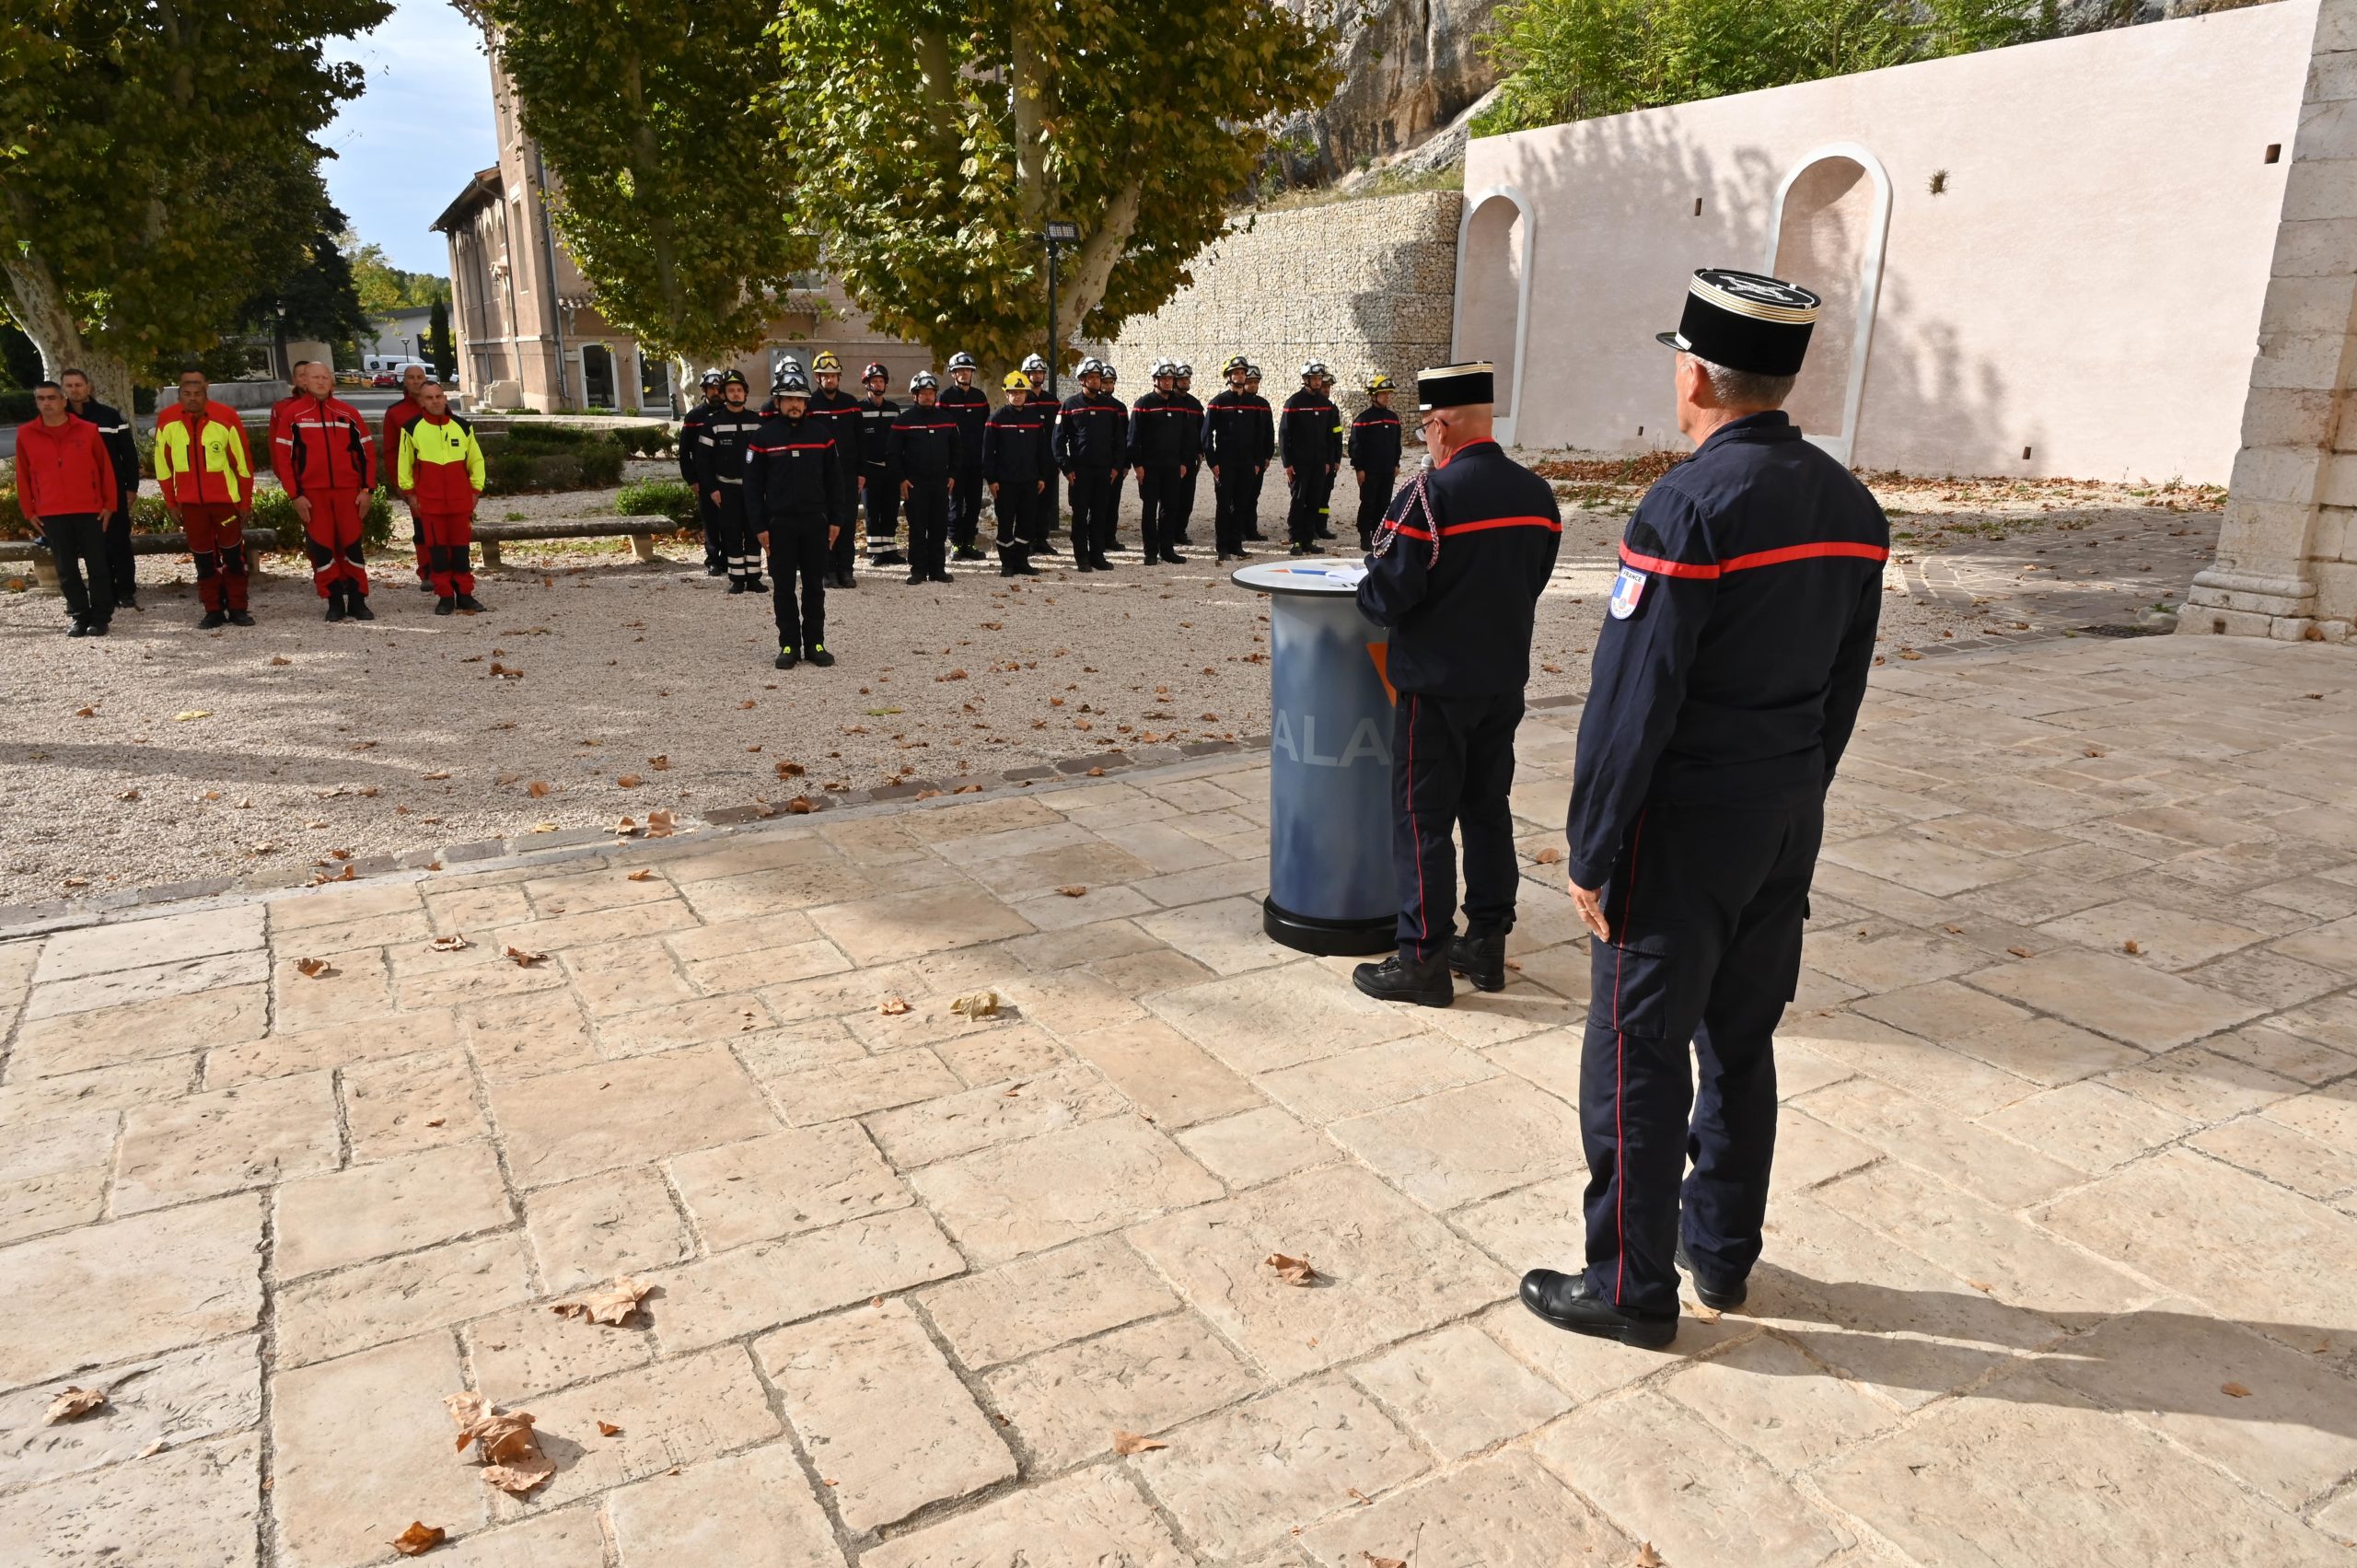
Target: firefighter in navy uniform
[
  {"x": 722, "y": 440},
  {"x": 1110, "y": 536},
  {"x": 714, "y": 390},
  {"x": 1011, "y": 466},
  {"x": 1090, "y": 440},
  {"x": 1309, "y": 441},
  {"x": 1458, "y": 569},
  {"x": 1182, "y": 387},
  {"x": 879, "y": 488},
  {"x": 1040, "y": 521},
  {"x": 794, "y": 495},
  {"x": 925, "y": 442},
  {"x": 1375, "y": 455},
  {"x": 970, "y": 407},
  {"x": 838, "y": 413},
  {"x": 1264, "y": 442},
  {"x": 1726, "y": 683},
  {"x": 1227, "y": 447},
  {"x": 1161, "y": 451}
]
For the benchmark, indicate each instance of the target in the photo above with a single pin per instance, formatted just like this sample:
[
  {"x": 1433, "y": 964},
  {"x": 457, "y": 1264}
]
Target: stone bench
[{"x": 639, "y": 530}]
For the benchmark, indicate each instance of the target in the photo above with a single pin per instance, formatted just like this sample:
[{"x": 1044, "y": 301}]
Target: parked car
[{"x": 386, "y": 379}]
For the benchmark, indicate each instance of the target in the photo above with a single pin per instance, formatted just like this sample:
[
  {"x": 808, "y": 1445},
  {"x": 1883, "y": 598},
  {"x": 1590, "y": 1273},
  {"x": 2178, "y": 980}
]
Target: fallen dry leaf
[
  {"x": 280, "y": 658},
  {"x": 537, "y": 788},
  {"x": 128, "y": 794},
  {"x": 647, "y": 876},
  {"x": 801, "y": 806},
  {"x": 1293, "y": 1270},
  {"x": 72, "y": 1401},
  {"x": 451, "y": 943},
  {"x": 1983, "y": 1286},
  {"x": 607, "y": 1429},
  {"x": 438, "y": 775},
  {"x": 2018, "y": 952},
  {"x": 312, "y": 968},
  {"x": 1549, "y": 856},
  {"x": 789, "y": 769},
  {"x": 1075, "y": 892},
  {"x": 511, "y": 1451},
  {"x": 1127, "y": 1443},
  {"x": 187, "y": 714},
  {"x": 629, "y": 780},
  {"x": 2129, "y": 946},
  {"x": 419, "y": 1539},
  {"x": 613, "y": 1305},
  {"x": 1647, "y": 1557},
  {"x": 525, "y": 960},
  {"x": 660, "y": 824},
  {"x": 660, "y": 764},
  {"x": 1359, "y": 1497},
  {"x": 1375, "y": 1562},
  {"x": 1096, "y": 773},
  {"x": 747, "y": 703},
  {"x": 86, "y": 713},
  {"x": 2234, "y": 1390},
  {"x": 892, "y": 1006},
  {"x": 978, "y": 1005}
]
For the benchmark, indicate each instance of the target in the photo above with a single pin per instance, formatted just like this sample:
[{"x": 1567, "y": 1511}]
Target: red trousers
[
  {"x": 449, "y": 538},
  {"x": 334, "y": 541},
  {"x": 217, "y": 539}
]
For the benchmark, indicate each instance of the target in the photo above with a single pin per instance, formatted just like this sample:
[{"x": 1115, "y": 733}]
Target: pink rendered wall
[{"x": 2087, "y": 286}]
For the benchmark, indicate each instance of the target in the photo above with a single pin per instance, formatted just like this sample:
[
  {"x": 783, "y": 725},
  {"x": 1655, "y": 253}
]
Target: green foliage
[
  {"x": 159, "y": 166},
  {"x": 1579, "y": 59},
  {"x": 438, "y": 347},
  {"x": 383, "y": 287},
  {"x": 20, "y": 360},
  {"x": 932, "y": 140},
  {"x": 517, "y": 468},
  {"x": 648, "y": 440},
  {"x": 542, "y": 438},
  {"x": 671, "y": 186},
  {"x": 658, "y": 498},
  {"x": 319, "y": 293}
]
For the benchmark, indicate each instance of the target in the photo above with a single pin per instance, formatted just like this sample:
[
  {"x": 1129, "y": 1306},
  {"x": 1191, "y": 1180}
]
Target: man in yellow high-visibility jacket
[
  {"x": 441, "y": 472},
  {"x": 207, "y": 477}
]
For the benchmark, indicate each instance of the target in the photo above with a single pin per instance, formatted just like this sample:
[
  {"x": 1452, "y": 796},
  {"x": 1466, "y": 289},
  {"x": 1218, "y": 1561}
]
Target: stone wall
[{"x": 1364, "y": 286}]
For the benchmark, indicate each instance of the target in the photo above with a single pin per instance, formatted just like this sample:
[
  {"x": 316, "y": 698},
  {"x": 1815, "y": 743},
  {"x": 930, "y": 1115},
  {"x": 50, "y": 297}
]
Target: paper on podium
[{"x": 1349, "y": 573}]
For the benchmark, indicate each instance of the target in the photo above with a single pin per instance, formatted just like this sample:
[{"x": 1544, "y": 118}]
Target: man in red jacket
[
  {"x": 65, "y": 486},
  {"x": 397, "y": 418},
  {"x": 207, "y": 477},
  {"x": 329, "y": 467}
]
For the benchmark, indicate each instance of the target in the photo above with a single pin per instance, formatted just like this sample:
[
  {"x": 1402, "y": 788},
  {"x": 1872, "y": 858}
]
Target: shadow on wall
[{"x": 1622, "y": 215}]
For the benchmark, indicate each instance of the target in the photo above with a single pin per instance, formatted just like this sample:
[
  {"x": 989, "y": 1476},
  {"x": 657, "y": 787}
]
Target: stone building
[{"x": 529, "y": 332}]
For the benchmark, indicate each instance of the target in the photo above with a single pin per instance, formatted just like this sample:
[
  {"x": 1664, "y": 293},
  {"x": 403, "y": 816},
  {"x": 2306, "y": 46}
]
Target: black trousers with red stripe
[
  {"x": 1706, "y": 906},
  {"x": 1452, "y": 768}
]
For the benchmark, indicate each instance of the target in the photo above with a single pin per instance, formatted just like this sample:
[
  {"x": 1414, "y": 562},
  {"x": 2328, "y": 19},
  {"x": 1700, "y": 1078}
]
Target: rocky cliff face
[{"x": 1410, "y": 66}]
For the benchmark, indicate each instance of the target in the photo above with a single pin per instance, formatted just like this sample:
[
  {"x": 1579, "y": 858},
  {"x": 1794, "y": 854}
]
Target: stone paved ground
[{"x": 2062, "y": 1250}]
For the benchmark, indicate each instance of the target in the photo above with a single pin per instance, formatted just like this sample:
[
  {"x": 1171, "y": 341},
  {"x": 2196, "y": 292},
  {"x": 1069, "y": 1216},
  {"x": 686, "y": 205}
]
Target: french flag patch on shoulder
[{"x": 1627, "y": 590}]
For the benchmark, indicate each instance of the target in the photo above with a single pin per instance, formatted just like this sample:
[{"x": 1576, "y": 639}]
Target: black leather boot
[
  {"x": 1565, "y": 1301},
  {"x": 1401, "y": 979},
  {"x": 1717, "y": 1295},
  {"x": 1481, "y": 960}
]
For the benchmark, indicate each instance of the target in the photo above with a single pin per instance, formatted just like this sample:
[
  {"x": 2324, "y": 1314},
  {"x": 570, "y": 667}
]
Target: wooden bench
[{"x": 639, "y": 530}]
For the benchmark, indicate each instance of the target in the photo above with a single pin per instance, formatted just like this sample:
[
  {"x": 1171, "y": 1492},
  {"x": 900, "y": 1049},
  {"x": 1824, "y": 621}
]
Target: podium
[{"x": 1331, "y": 811}]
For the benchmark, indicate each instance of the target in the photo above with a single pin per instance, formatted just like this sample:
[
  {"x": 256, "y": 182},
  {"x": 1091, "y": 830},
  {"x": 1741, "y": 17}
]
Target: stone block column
[{"x": 2287, "y": 554}]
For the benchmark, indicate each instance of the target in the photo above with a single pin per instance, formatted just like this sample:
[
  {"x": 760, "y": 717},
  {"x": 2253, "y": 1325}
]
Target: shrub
[
  {"x": 543, "y": 437},
  {"x": 645, "y": 440},
  {"x": 515, "y": 469},
  {"x": 658, "y": 498},
  {"x": 274, "y": 515}
]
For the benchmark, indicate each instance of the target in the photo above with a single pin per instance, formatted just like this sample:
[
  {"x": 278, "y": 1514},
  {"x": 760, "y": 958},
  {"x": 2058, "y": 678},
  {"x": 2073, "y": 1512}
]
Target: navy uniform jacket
[
  {"x": 876, "y": 417},
  {"x": 1093, "y": 432},
  {"x": 1741, "y": 632},
  {"x": 722, "y": 440},
  {"x": 1312, "y": 435},
  {"x": 794, "y": 475},
  {"x": 1234, "y": 436},
  {"x": 1044, "y": 408},
  {"x": 970, "y": 407},
  {"x": 1460, "y": 619},
  {"x": 1162, "y": 432},
  {"x": 695, "y": 416},
  {"x": 1375, "y": 440},
  {"x": 838, "y": 413},
  {"x": 927, "y": 445},
  {"x": 1194, "y": 407},
  {"x": 1012, "y": 453},
  {"x": 114, "y": 434}
]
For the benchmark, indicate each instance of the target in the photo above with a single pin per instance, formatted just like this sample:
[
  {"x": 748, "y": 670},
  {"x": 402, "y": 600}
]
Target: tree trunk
[
  {"x": 1093, "y": 270},
  {"x": 38, "y": 304},
  {"x": 1030, "y": 153}
]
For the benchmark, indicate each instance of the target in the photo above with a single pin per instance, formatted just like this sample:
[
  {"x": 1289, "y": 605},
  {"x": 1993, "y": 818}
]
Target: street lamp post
[{"x": 1059, "y": 237}]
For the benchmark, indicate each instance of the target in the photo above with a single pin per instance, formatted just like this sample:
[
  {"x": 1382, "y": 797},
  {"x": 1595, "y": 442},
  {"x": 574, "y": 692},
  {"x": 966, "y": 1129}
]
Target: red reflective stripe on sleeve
[
  {"x": 1415, "y": 533},
  {"x": 1548, "y": 523},
  {"x": 1805, "y": 553},
  {"x": 1668, "y": 568}
]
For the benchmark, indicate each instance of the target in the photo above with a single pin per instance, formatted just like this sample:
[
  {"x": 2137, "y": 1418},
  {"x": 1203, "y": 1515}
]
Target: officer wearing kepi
[
  {"x": 1726, "y": 683},
  {"x": 1458, "y": 565}
]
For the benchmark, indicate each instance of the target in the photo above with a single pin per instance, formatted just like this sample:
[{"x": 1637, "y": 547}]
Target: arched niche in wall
[
  {"x": 1832, "y": 220},
  {"x": 1493, "y": 291}
]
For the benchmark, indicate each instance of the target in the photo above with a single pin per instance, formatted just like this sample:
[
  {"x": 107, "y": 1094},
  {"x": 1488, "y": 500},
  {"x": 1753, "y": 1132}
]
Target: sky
[{"x": 405, "y": 148}]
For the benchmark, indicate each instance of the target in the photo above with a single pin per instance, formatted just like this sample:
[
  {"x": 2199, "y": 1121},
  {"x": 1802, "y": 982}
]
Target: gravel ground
[{"x": 163, "y": 753}]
